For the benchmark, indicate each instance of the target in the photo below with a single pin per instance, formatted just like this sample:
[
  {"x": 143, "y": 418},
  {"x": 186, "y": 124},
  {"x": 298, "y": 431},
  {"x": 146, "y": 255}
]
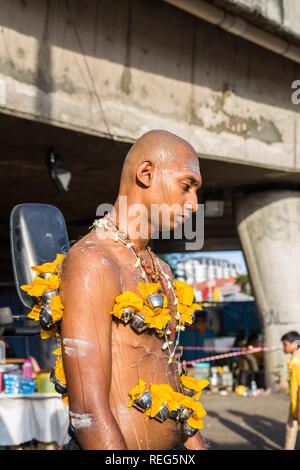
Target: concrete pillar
[{"x": 268, "y": 224}]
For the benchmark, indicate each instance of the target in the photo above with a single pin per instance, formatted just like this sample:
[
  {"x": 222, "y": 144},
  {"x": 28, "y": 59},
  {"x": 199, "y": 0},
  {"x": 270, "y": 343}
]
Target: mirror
[
  {"x": 37, "y": 234},
  {"x": 6, "y": 318}
]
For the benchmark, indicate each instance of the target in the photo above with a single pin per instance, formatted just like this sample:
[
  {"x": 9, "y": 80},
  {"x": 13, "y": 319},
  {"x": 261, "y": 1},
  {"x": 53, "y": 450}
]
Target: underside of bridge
[{"x": 95, "y": 164}]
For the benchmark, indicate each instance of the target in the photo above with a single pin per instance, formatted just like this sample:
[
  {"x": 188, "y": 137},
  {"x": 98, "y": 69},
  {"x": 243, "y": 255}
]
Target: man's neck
[{"x": 136, "y": 226}]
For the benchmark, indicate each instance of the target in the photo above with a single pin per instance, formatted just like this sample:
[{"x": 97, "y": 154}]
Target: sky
[{"x": 236, "y": 257}]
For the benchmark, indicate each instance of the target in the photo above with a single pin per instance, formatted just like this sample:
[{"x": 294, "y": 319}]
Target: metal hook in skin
[{"x": 142, "y": 357}]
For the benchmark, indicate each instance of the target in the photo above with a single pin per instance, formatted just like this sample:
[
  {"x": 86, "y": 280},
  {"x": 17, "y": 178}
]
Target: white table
[{"x": 39, "y": 416}]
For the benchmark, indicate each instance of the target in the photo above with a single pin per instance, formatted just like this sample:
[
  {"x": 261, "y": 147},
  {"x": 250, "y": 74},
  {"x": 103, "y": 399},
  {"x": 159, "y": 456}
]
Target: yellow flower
[
  {"x": 148, "y": 314},
  {"x": 65, "y": 399},
  {"x": 185, "y": 297},
  {"x": 148, "y": 288},
  {"x": 56, "y": 308},
  {"x": 161, "y": 390},
  {"x": 198, "y": 409},
  {"x": 57, "y": 352},
  {"x": 39, "y": 285},
  {"x": 175, "y": 401},
  {"x": 127, "y": 299},
  {"x": 194, "y": 384},
  {"x": 186, "y": 314},
  {"x": 186, "y": 402},
  {"x": 160, "y": 395},
  {"x": 184, "y": 293},
  {"x": 59, "y": 371},
  {"x": 49, "y": 267},
  {"x": 160, "y": 321},
  {"x": 156, "y": 321},
  {"x": 194, "y": 422},
  {"x": 157, "y": 403},
  {"x": 35, "y": 312},
  {"x": 45, "y": 334},
  {"x": 136, "y": 392}
]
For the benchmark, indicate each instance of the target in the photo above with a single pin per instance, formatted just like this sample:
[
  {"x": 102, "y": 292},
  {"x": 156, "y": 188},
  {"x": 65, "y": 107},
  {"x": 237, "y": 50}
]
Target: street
[{"x": 245, "y": 423}]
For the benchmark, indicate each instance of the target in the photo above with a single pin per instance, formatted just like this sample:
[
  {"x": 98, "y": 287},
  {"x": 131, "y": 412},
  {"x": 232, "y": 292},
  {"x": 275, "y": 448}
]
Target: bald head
[
  {"x": 161, "y": 173},
  {"x": 162, "y": 148}
]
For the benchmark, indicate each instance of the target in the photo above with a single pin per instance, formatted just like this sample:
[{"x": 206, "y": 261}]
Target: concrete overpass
[{"x": 89, "y": 77}]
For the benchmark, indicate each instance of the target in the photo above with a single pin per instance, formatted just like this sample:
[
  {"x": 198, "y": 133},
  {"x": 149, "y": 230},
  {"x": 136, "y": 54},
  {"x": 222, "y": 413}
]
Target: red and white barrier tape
[
  {"x": 232, "y": 354},
  {"x": 209, "y": 348}
]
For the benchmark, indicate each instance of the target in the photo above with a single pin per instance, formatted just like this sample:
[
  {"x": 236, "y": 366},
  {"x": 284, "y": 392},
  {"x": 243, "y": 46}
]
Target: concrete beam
[
  {"x": 118, "y": 69},
  {"x": 280, "y": 16}
]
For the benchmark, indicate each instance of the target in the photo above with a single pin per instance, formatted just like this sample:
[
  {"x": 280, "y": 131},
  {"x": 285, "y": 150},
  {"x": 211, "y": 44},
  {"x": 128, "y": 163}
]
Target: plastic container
[
  {"x": 43, "y": 383},
  {"x": 10, "y": 378},
  {"x": 201, "y": 370},
  {"x": 227, "y": 377},
  {"x": 27, "y": 369},
  {"x": 214, "y": 379},
  {"x": 253, "y": 388}
]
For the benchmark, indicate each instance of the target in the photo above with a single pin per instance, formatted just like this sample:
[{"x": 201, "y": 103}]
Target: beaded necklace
[{"x": 147, "y": 274}]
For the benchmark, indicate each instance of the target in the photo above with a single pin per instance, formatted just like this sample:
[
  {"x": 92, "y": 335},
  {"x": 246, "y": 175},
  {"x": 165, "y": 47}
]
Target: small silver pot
[
  {"x": 45, "y": 275},
  {"x": 176, "y": 413},
  {"x": 188, "y": 430},
  {"x": 163, "y": 414},
  {"x": 163, "y": 331},
  {"x": 143, "y": 402},
  {"x": 127, "y": 314},
  {"x": 185, "y": 414},
  {"x": 46, "y": 319},
  {"x": 48, "y": 295},
  {"x": 59, "y": 387},
  {"x": 187, "y": 391},
  {"x": 156, "y": 302},
  {"x": 137, "y": 322}
]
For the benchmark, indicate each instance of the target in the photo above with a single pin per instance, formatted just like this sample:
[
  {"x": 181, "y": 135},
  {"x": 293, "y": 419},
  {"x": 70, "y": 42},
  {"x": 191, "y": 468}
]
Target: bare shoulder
[{"x": 89, "y": 257}]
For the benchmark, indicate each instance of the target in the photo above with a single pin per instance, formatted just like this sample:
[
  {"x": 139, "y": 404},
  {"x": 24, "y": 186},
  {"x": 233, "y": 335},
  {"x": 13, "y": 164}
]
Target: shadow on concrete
[{"x": 260, "y": 432}]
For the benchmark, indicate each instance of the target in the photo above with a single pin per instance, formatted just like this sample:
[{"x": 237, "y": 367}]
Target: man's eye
[{"x": 186, "y": 187}]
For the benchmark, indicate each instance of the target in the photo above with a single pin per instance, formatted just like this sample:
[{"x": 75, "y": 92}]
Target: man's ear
[{"x": 144, "y": 174}]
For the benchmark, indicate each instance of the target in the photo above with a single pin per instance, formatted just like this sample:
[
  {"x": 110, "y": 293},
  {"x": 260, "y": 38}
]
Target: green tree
[{"x": 243, "y": 281}]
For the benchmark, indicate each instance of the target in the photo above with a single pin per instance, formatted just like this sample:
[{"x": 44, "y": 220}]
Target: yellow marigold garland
[
  {"x": 161, "y": 394},
  {"x": 36, "y": 289}
]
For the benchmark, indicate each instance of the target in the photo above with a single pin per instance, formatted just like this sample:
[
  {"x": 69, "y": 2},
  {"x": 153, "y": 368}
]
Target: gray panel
[{"x": 37, "y": 234}]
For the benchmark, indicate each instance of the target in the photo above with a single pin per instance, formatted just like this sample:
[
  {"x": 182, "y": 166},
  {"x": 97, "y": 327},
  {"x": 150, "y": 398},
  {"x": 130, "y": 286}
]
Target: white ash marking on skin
[
  {"x": 123, "y": 414},
  {"x": 79, "y": 421},
  {"x": 105, "y": 261},
  {"x": 77, "y": 347}
]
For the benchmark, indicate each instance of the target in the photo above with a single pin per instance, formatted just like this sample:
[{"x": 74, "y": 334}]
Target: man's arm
[
  {"x": 88, "y": 289},
  {"x": 195, "y": 442}
]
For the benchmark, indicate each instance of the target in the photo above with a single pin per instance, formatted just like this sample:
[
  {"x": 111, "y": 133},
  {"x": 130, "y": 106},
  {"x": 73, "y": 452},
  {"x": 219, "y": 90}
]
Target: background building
[{"x": 199, "y": 269}]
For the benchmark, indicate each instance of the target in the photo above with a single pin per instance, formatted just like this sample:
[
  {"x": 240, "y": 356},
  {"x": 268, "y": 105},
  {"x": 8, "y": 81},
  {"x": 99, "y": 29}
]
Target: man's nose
[{"x": 192, "y": 202}]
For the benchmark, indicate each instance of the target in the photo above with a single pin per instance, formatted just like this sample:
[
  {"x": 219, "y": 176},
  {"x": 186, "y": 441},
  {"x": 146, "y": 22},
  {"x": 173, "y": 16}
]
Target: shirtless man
[{"x": 104, "y": 357}]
